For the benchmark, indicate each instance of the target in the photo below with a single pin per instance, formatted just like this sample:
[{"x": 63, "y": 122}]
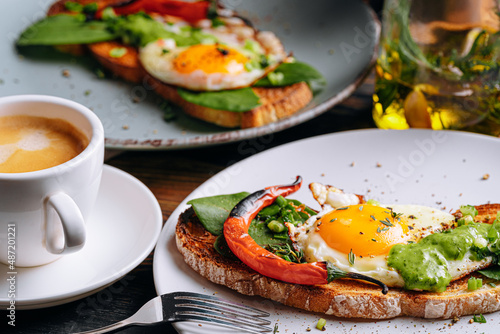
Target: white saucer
[{"x": 122, "y": 231}]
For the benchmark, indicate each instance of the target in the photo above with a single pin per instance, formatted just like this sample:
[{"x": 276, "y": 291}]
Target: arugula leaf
[
  {"x": 65, "y": 29},
  {"x": 213, "y": 211},
  {"x": 491, "y": 272},
  {"x": 238, "y": 100},
  {"x": 291, "y": 73}
]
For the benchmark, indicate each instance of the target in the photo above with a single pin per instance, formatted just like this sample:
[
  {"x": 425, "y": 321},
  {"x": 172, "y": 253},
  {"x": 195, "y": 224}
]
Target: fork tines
[{"x": 204, "y": 308}]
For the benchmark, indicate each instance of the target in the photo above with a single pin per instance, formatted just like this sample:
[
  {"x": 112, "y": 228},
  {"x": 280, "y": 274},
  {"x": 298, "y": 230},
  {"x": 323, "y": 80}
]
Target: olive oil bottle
[{"x": 437, "y": 69}]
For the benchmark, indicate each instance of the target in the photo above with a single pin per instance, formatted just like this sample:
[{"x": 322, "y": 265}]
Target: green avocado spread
[{"x": 424, "y": 265}]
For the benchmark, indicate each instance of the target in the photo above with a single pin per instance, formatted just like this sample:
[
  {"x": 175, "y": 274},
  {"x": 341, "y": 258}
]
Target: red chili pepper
[
  {"x": 266, "y": 263},
  {"x": 189, "y": 11},
  {"x": 258, "y": 258}
]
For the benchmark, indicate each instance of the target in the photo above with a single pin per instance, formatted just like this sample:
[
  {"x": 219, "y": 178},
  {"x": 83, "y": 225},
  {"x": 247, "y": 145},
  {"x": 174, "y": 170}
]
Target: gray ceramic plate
[{"x": 339, "y": 38}]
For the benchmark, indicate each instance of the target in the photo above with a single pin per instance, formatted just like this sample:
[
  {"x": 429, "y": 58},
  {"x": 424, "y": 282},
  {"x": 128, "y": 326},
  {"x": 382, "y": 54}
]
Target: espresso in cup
[
  {"x": 31, "y": 143},
  {"x": 51, "y": 158}
]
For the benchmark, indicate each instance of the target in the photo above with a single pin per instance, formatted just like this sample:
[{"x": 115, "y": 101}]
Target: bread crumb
[
  {"x": 379, "y": 165},
  {"x": 486, "y": 176},
  {"x": 352, "y": 164},
  {"x": 66, "y": 73},
  {"x": 125, "y": 127}
]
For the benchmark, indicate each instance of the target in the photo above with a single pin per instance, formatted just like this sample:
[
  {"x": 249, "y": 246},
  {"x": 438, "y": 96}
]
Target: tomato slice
[{"x": 189, "y": 11}]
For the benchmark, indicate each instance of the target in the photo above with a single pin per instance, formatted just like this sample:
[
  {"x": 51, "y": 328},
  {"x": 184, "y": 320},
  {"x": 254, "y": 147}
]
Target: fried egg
[
  {"x": 234, "y": 56},
  {"x": 357, "y": 237}
]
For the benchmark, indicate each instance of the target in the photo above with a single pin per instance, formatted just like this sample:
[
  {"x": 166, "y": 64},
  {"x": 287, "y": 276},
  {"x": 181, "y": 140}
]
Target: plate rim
[
  {"x": 242, "y": 134},
  {"x": 168, "y": 231}
]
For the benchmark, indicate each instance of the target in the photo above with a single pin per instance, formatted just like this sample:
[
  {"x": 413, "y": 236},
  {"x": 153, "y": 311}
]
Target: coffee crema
[{"x": 31, "y": 143}]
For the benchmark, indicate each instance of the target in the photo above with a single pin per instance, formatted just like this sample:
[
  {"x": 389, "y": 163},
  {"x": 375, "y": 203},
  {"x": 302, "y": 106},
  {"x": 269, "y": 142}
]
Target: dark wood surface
[{"x": 171, "y": 176}]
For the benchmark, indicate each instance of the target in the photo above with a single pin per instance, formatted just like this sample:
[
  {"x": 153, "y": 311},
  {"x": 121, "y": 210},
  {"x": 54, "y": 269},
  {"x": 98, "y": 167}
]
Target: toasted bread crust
[
  {"x": 127, "y": 67},
  {"x": 276, "y": 103},
  {"x": 343, "y": 297}
]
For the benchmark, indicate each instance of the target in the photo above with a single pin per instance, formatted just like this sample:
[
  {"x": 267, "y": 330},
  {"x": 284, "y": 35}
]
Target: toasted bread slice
[
  {"x": 276, "y": 103},
  {"x": 343, "y": 297}
]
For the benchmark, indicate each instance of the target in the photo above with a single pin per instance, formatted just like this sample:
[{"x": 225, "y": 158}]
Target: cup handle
[{"x": 73, "y": 226}]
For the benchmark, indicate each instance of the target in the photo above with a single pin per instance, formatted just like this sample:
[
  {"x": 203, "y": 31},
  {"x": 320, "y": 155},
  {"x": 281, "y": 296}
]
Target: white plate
[
  {"x": 339, "y": 38},
  {"x": 122, "y": 232},
  {"x": 438, "y": 169}
]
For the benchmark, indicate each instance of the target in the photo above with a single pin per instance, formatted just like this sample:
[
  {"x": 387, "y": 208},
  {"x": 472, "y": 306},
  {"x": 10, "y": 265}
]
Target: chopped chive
[
  {"x": 374, "y": 240},
  {"x": 474, "y": 283},
  {"x": 321, "y": 324},
  {"x": 352, "y": 257},
  {"x": 361, "y": 208},
  {"x": 117, "y": 52},
  {"x": 379, "y": 230},
  {"x": 479, "y": 318},
  {"x": 334, "y": 219},
  {"x": 343, "y": 208},
  {"x": 411, "y": 242},
  {"x": 373, "y": 217},
  {"x": 492, "y": 284},
  {"x": 385, "y": 229}
]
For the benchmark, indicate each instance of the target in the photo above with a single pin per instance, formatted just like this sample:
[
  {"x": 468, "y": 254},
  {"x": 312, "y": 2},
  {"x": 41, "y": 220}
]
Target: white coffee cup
[{"x": 43, "y": 212}]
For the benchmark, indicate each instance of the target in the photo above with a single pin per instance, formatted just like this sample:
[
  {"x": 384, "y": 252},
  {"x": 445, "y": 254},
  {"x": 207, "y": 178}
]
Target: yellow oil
[
  {"x": 445, "y": 111},
  {"x": 410, "y": 95}
]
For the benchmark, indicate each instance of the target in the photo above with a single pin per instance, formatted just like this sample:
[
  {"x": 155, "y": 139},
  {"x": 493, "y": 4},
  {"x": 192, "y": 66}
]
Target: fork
[{"x": 185, "y": 306}]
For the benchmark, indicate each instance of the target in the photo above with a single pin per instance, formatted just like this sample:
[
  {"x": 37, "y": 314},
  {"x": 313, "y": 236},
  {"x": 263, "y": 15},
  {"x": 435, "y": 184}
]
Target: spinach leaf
[
  {"x": 263, "y": 236},
  {"x": 238, "y": 100},
  {"x": 223, "y": 249},
  {"x": 213, "y": 211},
  {"x": 65, "y": 29},
  {"x": 291, "y": 73},
  {"x": 491, "y": 272}
]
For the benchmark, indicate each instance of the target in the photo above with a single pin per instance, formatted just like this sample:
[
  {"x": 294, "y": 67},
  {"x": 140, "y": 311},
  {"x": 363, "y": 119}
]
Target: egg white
[
  {"x": 423, "y": 220},
  {"x": 157, "y": 57}
]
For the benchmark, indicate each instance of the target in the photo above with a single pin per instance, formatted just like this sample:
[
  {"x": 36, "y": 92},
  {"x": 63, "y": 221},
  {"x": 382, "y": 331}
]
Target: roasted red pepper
[
  {"x": 266, "y": 263},
  {"x": 189, "y": 11}
]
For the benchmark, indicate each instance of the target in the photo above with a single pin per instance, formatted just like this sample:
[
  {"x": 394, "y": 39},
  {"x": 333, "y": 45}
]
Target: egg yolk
[
  {"x": 364, "y": 229},
  {"x": 213, "y": 58}
]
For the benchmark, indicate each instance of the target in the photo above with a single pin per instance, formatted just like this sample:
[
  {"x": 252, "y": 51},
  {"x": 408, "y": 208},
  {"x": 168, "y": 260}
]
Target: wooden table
[{"x": 171, "y": 176}]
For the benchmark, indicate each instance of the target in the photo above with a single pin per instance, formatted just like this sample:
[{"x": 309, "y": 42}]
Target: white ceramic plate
[
  {"x": 438, "y": 169},
  {"x": 338, "y": 38},
  {"x": 124, "y": 205}
]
